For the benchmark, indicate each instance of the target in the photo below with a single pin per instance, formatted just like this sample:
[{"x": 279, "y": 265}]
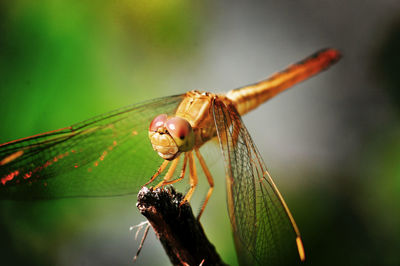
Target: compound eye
[
  {"x": 157, "y": 122},
  {"x": 178, "y": 127}
]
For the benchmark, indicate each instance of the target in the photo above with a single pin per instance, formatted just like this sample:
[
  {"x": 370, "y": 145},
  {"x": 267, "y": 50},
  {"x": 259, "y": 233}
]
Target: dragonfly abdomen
[{"x": 248, "y": 98}]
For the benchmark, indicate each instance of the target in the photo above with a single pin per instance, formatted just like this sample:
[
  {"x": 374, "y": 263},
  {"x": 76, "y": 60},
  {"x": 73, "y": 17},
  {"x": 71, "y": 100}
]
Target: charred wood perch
[{"x": 180, "y": 233}]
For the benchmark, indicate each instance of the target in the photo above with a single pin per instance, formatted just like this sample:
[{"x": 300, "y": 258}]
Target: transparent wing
[
  {"x": 104, "y": 156},
  {"x": 263, "y": 231}
]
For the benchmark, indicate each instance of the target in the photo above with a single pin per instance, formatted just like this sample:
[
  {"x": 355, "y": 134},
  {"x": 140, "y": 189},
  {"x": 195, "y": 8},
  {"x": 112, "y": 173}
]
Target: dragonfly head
[{"x": 170, "y": 136}]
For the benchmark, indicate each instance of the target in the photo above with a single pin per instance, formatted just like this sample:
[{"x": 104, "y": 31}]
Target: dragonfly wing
[
  {"x": 263, "y": 231},
  {"x": 107, "y": 155}
]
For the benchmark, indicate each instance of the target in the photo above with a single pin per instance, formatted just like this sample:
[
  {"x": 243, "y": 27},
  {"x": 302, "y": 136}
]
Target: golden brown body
[
  {"x": 197, "y": 109},
  {"x": 38, "y": 163}
]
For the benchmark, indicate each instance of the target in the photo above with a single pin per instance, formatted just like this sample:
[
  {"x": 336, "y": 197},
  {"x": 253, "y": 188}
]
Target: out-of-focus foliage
[{"x": 388, "y": 63}]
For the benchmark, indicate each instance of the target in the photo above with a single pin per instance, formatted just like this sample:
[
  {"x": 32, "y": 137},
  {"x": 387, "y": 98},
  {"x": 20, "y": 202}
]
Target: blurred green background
[{"x": 332, "y": 143}]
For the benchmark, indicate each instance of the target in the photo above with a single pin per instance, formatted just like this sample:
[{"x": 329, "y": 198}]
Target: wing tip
[{"x": 300, "y": 248}]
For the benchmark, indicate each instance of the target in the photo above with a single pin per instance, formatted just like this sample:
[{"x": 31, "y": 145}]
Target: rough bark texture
[{"x": 179, "y": 231}]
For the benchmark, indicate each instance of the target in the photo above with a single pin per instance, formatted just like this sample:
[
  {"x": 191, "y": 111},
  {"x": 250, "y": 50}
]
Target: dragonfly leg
[
  {"x": 181, "y": 175},
  {"x": 170, "y": 172},
  {"x": 209, "y": 179},
  {"x": 146, "y": 231},
  {"x": 192, "y": 178},
  {"x": 159, "y": 171}
]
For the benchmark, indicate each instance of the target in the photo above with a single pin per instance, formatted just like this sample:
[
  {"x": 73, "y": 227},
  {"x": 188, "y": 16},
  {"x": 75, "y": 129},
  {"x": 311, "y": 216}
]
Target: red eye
[
  {"x": 157, "y": 122},
  {"x": 178, "y": 127}
]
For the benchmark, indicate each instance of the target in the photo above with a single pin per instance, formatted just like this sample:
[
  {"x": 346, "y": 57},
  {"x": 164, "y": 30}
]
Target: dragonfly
[{"x": 110, "y": 154}]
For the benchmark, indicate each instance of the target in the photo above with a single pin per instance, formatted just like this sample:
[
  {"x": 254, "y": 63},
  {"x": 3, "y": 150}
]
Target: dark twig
[{"x": 179, "y": 231}]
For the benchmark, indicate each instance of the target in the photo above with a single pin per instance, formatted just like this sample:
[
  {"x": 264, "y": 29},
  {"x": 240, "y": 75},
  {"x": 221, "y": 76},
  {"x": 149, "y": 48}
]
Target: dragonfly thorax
[{"x": 170, "y": 136}]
